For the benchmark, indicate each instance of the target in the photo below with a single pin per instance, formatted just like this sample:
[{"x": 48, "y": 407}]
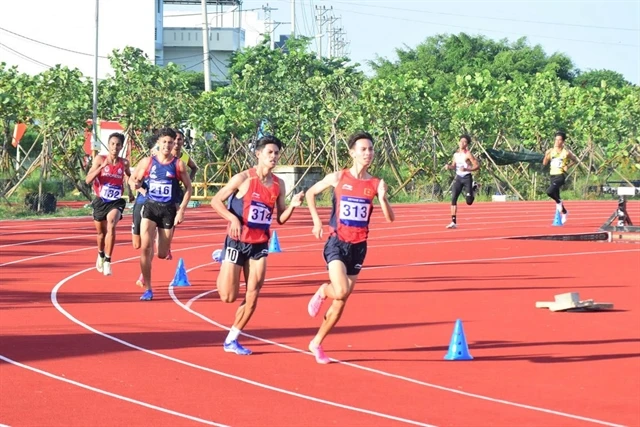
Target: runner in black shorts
[
  {"x": 159, "y": 212},
  {"x": 352, "y": 255},
  {"x": 243, "y": 251},
  {"x": 354, "y": 190},
  {"x": 107, "y": 176}
]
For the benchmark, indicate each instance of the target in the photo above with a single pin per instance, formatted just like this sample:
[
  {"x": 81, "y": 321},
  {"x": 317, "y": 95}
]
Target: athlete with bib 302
[
  {"x": 463, "y": 163},
  {"x": 559, "y": 158},
  {"x": 159, "y": 213},
  {"x": 345, "y": 250},
  {"x": 252, "y": 197},
  {"x": 107, "y": 175}
]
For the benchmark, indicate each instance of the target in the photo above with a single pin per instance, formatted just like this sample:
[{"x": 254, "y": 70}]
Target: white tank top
[{"x": 461, "y": 162}]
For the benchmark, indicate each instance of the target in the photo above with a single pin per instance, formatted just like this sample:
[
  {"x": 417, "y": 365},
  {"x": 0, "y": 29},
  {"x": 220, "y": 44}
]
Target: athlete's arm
[
  {"x": 135, "y": 180},
  {"x": 127, "y": 172},
  {"x": 96, "y": 167},
  {"x": 194, "y": 168},
  {"x": 451, "y": 166},
  {"x": 284, "y": 212},
  {"x": 547, "y": 157},
  {"x": 186, "y": 180},
  {"x": 474, "y": 163},
  {"x": 384, "y": 202},
  {"x": 330, "y": 180},
  {"x": 217, "y": 203}
]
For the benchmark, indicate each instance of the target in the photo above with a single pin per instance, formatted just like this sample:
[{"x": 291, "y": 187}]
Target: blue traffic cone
[
  {"x": 274, "y": 244},
  {"x": 557, "y": 221},
  {"x": 458, "y": 349},
  {"x": 180, "y": 279}
]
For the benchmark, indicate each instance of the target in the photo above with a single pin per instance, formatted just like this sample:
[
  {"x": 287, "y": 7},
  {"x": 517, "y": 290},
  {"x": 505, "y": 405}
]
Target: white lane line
[
  {"x": 108, "y": 393},
  {"x": 188, "y": 305},
  {"x": 54, "y": 301}
]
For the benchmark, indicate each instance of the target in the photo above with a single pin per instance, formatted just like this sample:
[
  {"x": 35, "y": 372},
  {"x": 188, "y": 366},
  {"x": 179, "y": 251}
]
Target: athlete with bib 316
[
  {"x": 252, "y": 195},
  {"x": 107, "y": 175},
  {"x": 560, "y": 160},
  {"x": 344, "y": 252},
  {"x": 159, "y": 213}
]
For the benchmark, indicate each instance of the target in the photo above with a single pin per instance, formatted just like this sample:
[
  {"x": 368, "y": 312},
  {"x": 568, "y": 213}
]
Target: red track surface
[{"x": 133, "y": 363}]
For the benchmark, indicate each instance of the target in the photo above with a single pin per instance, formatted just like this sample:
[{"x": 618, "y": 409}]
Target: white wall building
[{"x": 230, "y": 29}]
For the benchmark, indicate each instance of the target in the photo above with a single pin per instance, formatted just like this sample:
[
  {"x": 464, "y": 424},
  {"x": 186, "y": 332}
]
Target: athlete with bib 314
[
  {"x": 252, "y": 195},
  {"x": 344, "y": 252},
  {"x": 107, "y": 175},
  {"x": 559, "y": 159}
]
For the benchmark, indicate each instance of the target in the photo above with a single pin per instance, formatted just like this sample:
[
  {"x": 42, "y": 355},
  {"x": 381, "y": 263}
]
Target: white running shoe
[
  {"x": 107, "y": 269},
  {"x": 452, "y": 225},
  {"x": 563, "y": 218},
  {"x": 99, "y": 263}
]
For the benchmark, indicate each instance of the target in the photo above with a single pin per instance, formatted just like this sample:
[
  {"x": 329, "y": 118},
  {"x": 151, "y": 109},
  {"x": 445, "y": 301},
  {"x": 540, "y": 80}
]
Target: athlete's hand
[
  {"x": 235, "y": 229},
  {"x": 317, "y": 231},
  {"x": 297, "y": 199},
  {"x": 179, "y": 217}
]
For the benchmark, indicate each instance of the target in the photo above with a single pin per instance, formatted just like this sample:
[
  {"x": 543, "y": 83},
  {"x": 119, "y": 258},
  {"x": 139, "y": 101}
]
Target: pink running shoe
[
  {"x": 316, "y": 302},
  {"x": 169, "y": 256},
  {"x": 318, "y": 352},
  {"x": 140, "y": 281}
]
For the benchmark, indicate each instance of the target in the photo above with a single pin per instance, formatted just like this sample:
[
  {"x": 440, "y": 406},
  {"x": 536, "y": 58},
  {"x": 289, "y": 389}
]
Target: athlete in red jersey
[
  {"x": 345, "y": 250},
  {"x": 107, "y": 174},
  {"x": 253, "y": 195}
]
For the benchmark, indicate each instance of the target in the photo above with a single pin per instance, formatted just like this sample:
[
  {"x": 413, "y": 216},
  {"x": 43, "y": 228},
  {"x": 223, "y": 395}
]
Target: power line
[
  {"x": 484, "y": 29},
  {"x": 23, "y": 56},
  {"x": 50, "y": 45},
  {"x": 564, "y": 24}
]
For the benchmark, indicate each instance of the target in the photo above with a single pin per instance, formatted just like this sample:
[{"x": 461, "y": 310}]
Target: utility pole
[
  {"x": 293, "y": 18},
  {"x": 94, "y": 134},
  {"x": 269, "y": 26},
  {"x": 321, "y": 20},
  {"x": 205, "y": 47}
]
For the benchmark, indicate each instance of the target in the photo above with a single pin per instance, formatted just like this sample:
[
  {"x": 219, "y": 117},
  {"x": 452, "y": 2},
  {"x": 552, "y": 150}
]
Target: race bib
[
  {"x": 556, "y": 162},
  {"x": 354, "y": 211},
  {"x": 259, "y": 215},
  {"x": 160, "y": 191},
  {"x": 109, "y": 193}
]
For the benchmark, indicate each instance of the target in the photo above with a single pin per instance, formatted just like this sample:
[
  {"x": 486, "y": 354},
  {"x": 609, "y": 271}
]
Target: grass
[{"x": 19, "y": 211}]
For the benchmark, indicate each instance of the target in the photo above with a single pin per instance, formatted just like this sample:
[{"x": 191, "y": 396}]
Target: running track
[{"x": 77, "y": 348}]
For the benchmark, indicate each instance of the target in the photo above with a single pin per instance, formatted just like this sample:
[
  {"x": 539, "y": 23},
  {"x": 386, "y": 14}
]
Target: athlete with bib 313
[
  {"x": 560, "y": 160},
  {"x": 107, "y": 175},
  {"x": 344, "y": 252},
  {"x": 252, "y": 195}
]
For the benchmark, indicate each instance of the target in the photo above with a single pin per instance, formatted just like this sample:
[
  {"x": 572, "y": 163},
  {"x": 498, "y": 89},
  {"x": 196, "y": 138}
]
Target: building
[{"x": 180, "y": 40}]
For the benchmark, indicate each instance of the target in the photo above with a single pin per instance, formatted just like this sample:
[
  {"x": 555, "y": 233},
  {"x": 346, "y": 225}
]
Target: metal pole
[
  {"x": 293, "y": 18},
  {"x": 94, "y": 135},
  {"x": 205, "y": 47}
]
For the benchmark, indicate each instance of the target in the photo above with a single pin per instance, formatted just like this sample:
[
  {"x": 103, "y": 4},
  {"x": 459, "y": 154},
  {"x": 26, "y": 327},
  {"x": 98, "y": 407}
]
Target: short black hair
[
  {"x": 166, "y": 132},
  {"x": 356, "y": 136},
  {"x": 562, "y": 134},
  {"x": 118, "y": 135},
  {"x": 268, "y": 139},
  {"x": 465, "y": 136}
]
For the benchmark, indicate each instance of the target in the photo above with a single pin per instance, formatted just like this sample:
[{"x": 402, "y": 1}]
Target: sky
[{"x": 595, "y": 35}]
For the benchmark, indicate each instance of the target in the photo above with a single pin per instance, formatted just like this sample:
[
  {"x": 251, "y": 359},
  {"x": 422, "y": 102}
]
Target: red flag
[{"x": 18, "y": 131}]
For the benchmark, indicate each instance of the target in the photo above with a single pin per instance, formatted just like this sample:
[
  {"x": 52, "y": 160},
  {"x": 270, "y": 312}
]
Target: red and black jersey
[
  {"x": 255, "y": 208},
  {"x": 352, "y": 207},
  {"x": 109, "y": 184}
]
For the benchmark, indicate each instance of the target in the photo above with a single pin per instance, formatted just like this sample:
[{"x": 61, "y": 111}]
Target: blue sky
[{"x": 595, "y": 35}]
